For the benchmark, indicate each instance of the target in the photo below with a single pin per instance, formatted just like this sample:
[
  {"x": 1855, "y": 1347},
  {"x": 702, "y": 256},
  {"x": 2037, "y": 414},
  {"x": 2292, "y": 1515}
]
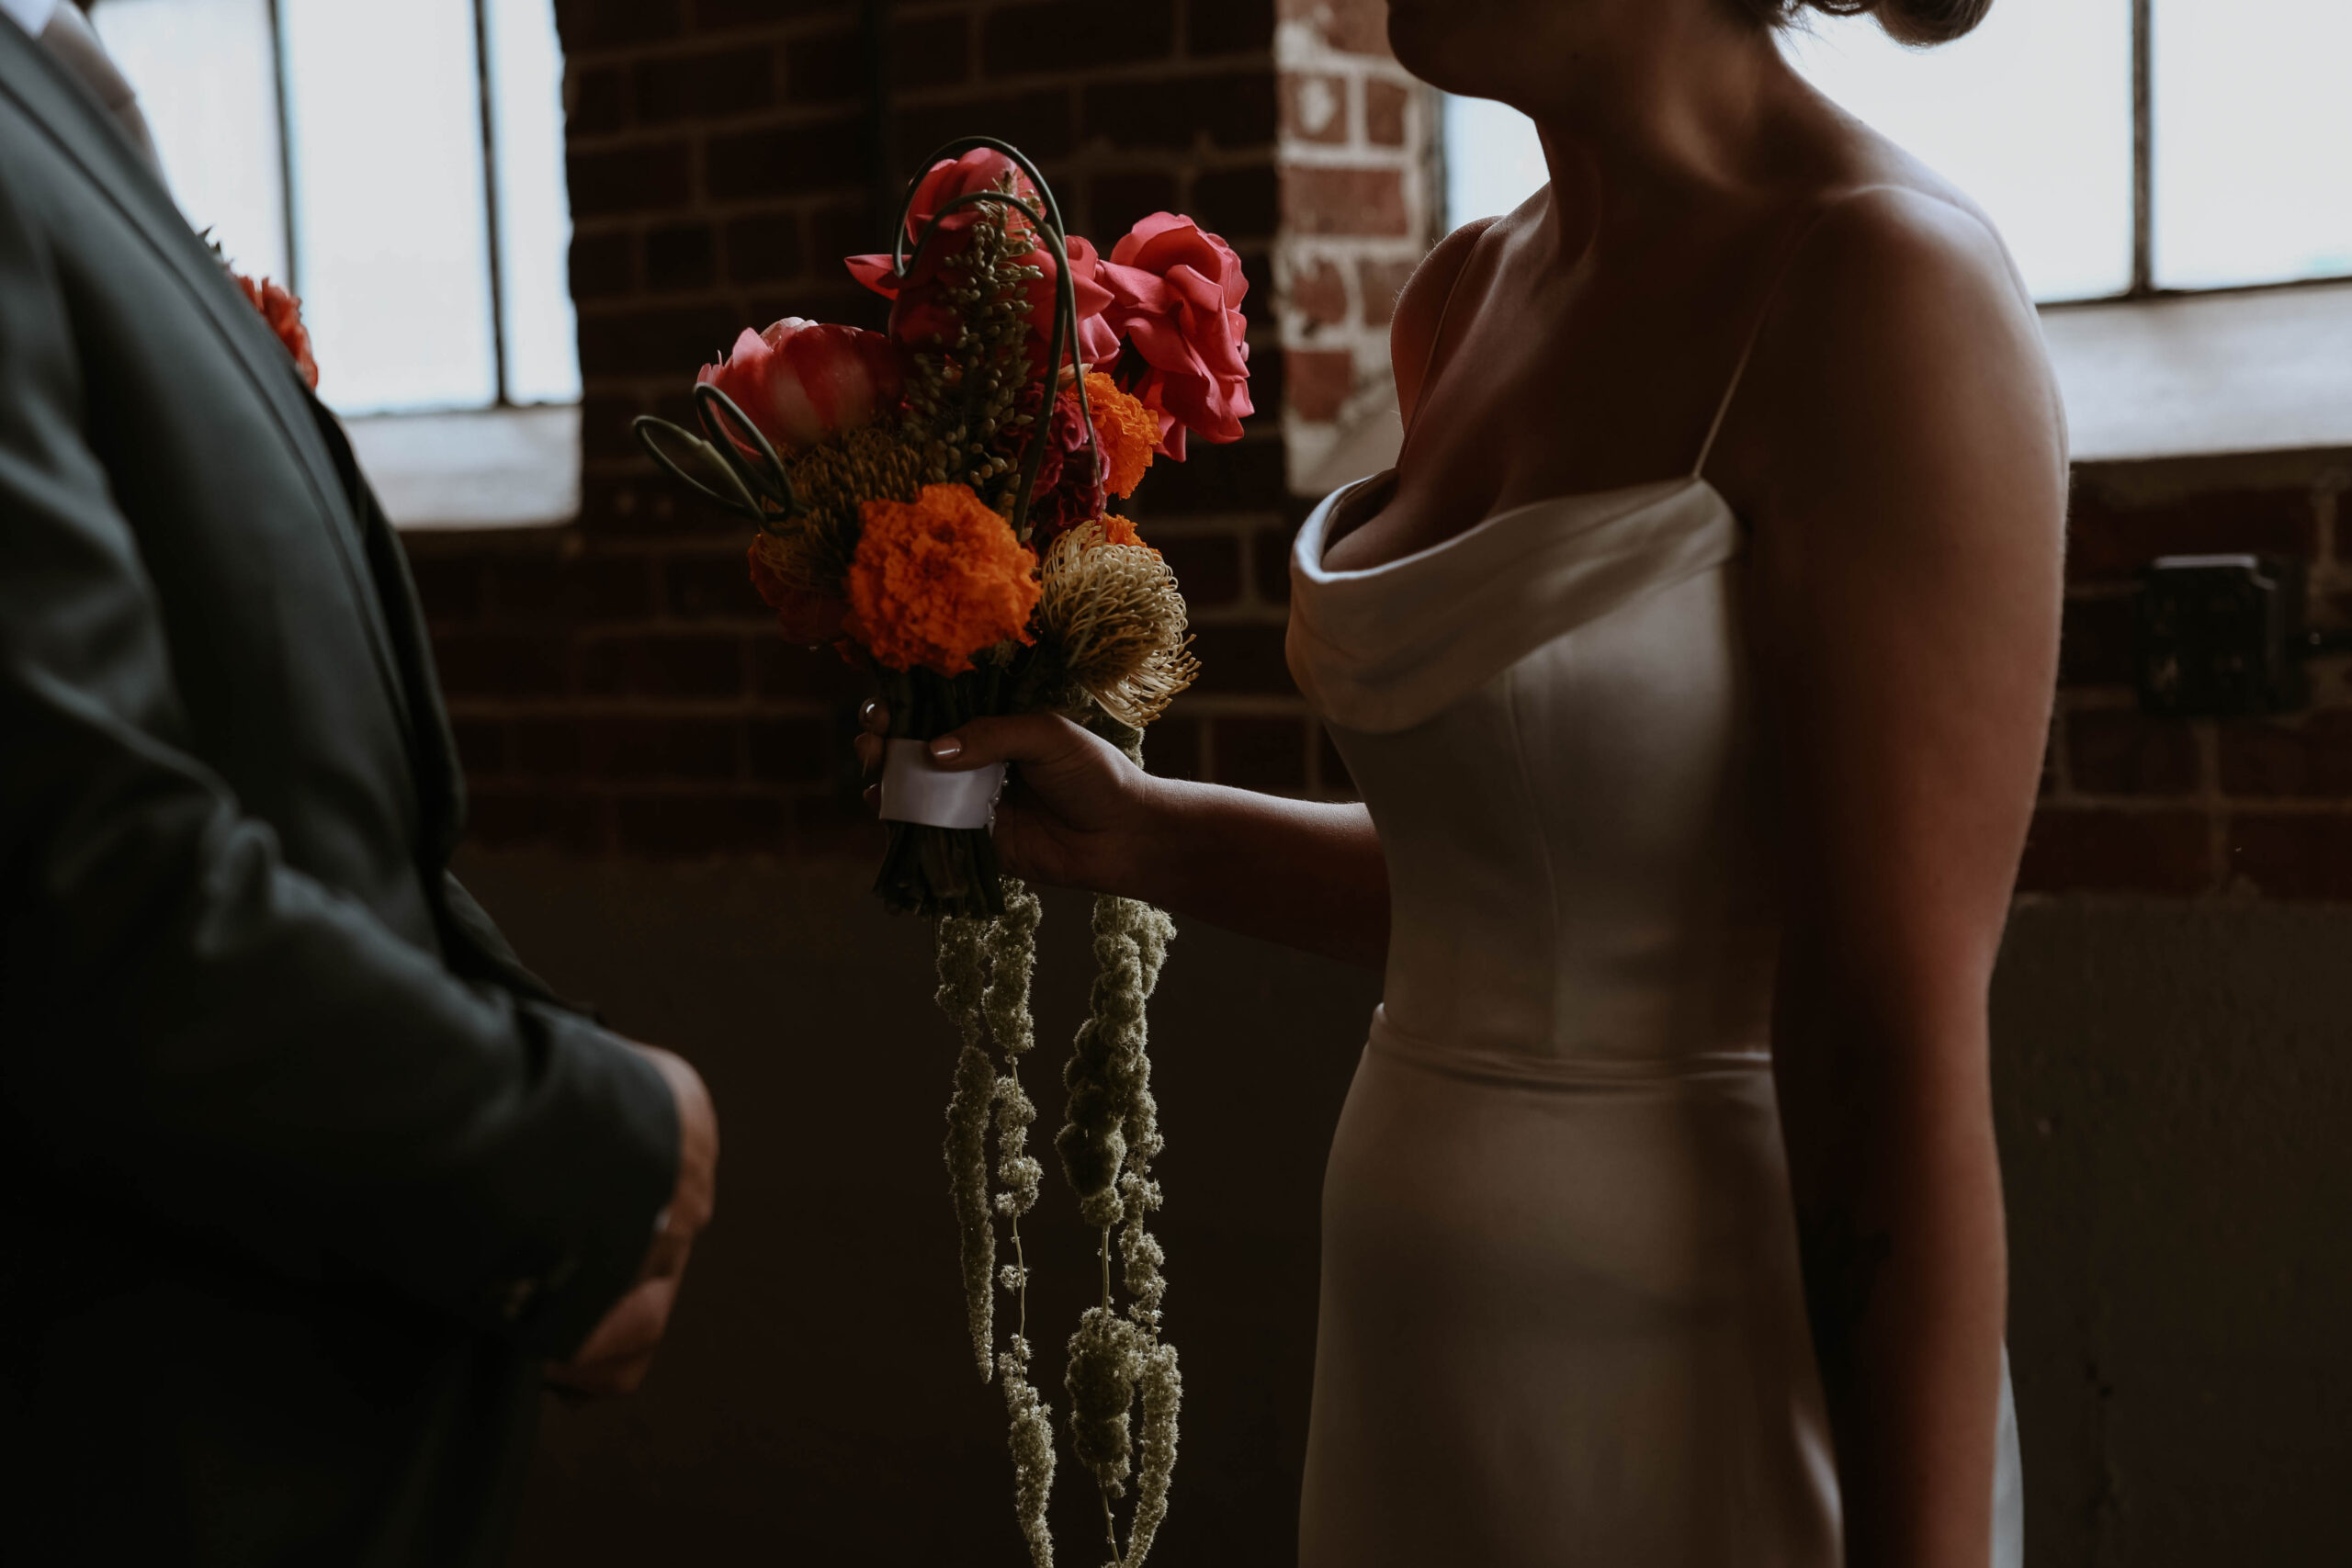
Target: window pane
[
  {"x": 2031, "y": 115},
  {"x": 2253, "y": 141},
  {"x": 207, "y": 82},
  {"x": 533, "y": 212},
  {"x": 1493, "y": 160},
  {"x": 390, "y": 216}
]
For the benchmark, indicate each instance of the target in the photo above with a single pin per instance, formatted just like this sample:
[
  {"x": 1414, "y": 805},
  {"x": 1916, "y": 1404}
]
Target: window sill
[
  {"x": 516, "y": 468},
  {"x": 2262, "y": 371}
]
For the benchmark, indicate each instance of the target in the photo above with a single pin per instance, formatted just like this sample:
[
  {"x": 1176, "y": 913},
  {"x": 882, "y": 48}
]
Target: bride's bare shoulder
[
  {"x": 1412, "y": 330},
  {"x": 1904, "y": 281},
  {"x": 1901, "y": 366}
]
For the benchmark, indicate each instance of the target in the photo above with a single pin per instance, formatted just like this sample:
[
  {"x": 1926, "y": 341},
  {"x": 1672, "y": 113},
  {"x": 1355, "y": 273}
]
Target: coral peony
[
  {"x": 807, "y": 618},
  {"x": 938, "y": 578},
  {"x": 284, "y": 314},
  {"x": 805, "y": 382},
  {"x": 1176, "y": 295},
  {"x": 1127, "y": 430}
]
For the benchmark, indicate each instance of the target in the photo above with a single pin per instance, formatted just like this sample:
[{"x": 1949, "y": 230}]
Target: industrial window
[
  {"x": 401, "y": 168},
  {"x": 2125, "y": 148}
]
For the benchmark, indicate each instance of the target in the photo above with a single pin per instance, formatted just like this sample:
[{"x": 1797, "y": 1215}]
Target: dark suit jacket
[{"x": 301, "y": 1175}]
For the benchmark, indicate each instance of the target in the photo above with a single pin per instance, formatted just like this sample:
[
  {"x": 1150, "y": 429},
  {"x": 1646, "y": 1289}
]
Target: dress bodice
[{"x": 1553, "y": 720}]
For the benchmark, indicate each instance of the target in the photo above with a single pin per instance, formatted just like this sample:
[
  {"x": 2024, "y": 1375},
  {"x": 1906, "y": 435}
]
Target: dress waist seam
[{"x": 1472, "y": 1065}]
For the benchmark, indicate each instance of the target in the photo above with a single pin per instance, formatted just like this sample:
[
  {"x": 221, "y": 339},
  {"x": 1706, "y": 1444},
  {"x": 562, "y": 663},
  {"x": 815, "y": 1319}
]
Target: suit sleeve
[{"x": 195, "y": 1031}]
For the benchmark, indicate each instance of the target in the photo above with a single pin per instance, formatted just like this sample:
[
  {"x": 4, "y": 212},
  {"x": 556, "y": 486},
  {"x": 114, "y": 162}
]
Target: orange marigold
[
  {"x": 1118, "y": 530},
  {"x": 1129, "y": 430},
  {"x": 937, "y": 579}
]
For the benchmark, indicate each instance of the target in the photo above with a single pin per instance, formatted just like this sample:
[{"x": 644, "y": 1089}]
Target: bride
[{"x": 1694, "y": 663}]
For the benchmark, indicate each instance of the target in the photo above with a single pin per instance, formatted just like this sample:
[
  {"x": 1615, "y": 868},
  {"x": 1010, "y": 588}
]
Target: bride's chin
[{"x": 1429, "y": 39}]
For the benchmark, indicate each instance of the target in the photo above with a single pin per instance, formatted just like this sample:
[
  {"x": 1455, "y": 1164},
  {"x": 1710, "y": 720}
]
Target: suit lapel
[
  {"x": 439, "y": 780},
  {"x": 77, "y": 125}
]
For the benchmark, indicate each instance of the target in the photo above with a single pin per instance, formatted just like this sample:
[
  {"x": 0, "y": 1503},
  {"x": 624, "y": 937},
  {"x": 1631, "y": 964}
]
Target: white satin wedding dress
[{"x": 1561, "y": 1321}]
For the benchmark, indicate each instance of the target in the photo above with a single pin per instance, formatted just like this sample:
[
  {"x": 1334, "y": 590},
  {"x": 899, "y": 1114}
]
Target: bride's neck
[{"x": 1637, "y": 134}]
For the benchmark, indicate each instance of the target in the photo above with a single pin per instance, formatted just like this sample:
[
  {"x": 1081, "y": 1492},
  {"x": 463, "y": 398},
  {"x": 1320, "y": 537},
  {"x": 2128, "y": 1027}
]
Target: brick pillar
[{"x": 1359, "y": 209}]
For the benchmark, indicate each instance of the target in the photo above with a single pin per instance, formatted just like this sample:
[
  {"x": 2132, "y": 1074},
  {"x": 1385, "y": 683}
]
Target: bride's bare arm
[
  {"x": 1907, "y": 496},
  {"x": 1078, "y": 813}
]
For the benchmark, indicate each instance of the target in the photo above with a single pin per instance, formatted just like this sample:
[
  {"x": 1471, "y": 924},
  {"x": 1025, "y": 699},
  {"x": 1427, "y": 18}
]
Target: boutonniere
[
  {"x": 284, "y": 314},
  {"x": 282, "y": 310}
]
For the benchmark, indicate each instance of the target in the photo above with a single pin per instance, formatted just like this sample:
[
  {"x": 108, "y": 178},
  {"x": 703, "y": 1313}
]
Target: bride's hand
[{"x": 1075, "y": 812}]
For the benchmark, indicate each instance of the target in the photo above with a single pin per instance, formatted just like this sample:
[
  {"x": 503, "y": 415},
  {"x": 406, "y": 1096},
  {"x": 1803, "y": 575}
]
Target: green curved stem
[
  {"x": 731, "y": 430},
  {"x": 656, "y": 434}
]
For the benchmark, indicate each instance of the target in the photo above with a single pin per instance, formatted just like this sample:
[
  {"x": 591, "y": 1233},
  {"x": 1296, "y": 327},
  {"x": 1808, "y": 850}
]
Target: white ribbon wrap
[{"x": 916, "y": 789}]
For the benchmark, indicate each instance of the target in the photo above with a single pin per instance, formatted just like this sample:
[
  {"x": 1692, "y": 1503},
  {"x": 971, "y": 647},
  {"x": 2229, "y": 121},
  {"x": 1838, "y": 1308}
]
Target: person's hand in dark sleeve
[
  {"x": 614, "y": 1355},
  {"x": 198, "y": 1033}
]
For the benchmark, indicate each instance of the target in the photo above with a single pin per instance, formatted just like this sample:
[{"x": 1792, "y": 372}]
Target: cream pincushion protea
[
  {"x": 1112, "y": 611},
  {"x": 932, "y": 502}
]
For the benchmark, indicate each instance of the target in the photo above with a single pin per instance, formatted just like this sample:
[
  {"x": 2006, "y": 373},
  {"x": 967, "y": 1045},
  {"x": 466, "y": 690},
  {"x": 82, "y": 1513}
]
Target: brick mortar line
[
  {"x": 1298, "y": 47},
  {"x": 1292, "y": 153},
  {"x": 782, "y": 31},
  {"x": 787, "y": 116},
  {"x": 1166, "y": 68},
  {"x": 636, "y": 224}
]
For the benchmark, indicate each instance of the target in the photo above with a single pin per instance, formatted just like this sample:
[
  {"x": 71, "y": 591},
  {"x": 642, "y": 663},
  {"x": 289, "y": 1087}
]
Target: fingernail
[
  {"x": 946, "y": 749},
  {"x": 867, "y": 711}
]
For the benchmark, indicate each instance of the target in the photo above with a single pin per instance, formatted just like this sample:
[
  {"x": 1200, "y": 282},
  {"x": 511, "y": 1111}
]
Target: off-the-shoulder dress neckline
[{"x": 1315, "y": 547}]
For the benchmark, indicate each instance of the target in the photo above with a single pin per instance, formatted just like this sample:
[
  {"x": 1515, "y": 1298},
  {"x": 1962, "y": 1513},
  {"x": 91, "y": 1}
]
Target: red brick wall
[
  {"x": 1359, "y": 209},
  {"x": 2137, "y": 805},
  {"x": 616, "y": 685}
]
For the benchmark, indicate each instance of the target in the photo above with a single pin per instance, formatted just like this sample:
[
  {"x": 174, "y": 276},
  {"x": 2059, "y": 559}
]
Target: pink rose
[
  {"x": 1176, "y": 295},
  {"x": 805, "y": 382},
  {"x": 920, "y": 315},
  {"x": 1097, "y": 343}
]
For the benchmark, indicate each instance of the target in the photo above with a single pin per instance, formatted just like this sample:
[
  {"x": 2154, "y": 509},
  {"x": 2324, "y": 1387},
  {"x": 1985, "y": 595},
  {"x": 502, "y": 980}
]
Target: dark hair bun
[{"x": 1920, "y": 22}]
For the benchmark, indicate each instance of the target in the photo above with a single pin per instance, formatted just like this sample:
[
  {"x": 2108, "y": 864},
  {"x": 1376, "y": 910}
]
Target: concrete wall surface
[
  {"x": 2176, "y": 1115},
  {"x": 2175, "y": 1093}
]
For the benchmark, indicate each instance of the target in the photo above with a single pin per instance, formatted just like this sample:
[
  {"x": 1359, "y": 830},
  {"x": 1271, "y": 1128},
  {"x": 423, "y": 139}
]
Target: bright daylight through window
[
  {"x": 340, "y": 146},
  {"x": 2250, "y": 136},
  {"x": 2248, "y": 183}
]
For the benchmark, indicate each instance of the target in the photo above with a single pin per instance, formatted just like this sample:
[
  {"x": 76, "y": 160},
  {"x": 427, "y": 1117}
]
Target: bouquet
[{"x": 934, "y": 501}]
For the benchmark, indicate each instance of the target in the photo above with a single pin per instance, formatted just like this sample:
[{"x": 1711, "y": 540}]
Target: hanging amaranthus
[
  {"x": 962, "y": 981},
  {"x": 985, "y": 967},
  {"x": 1117, "y": 1368},
  {"x": 1107, "y": 1143}
]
